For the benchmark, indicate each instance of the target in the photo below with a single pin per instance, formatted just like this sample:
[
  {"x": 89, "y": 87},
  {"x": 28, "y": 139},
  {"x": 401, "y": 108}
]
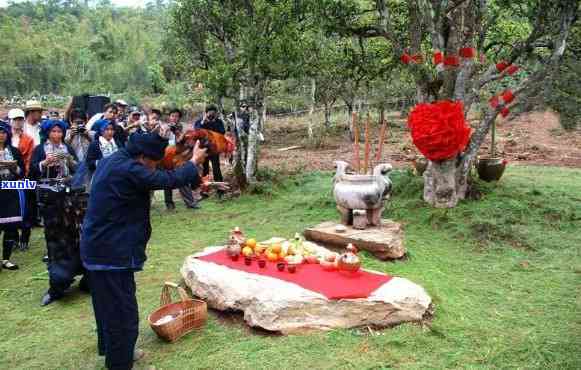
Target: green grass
[{"x": 504, "y": 273}]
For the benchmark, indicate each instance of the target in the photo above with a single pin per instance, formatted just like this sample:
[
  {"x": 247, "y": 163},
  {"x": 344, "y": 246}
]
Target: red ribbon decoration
[
  {"x": 406, "y": 58},
  {"x": 494, "y": 102},
  {"x": 512, "y": 69},
  {"x": 439, "y": 130},
  {"x": 504, "y": 112},
  {"x": 438, "y": 58},
  {"x": 501, "y": 66},
  {"x": 452, "y": 61},
  {"x": 468, "y": 52},
  {"x": 507, "y": 97}
]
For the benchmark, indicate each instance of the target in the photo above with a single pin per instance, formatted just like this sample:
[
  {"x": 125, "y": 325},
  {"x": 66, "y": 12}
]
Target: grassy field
[{"x": 504, "y": 273}]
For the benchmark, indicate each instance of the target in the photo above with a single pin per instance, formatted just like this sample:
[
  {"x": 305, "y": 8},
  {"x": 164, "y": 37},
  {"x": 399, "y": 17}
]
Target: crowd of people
[
  {"x": 61, "y": 152},
  {"x": 93, "y": 181}
]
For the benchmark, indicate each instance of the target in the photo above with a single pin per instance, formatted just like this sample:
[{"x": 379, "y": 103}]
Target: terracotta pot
[
  {"x": 420, "y": 164},
  {"x": 262, "y": 263},
  {"x": 490, "y": 169}
]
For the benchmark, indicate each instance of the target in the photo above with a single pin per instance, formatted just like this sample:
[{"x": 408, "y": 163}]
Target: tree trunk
[
  {"x": 328, "y": 110},
  {"x": 255, "y": 125},
  {"x": 445, "y": 183},
  {"x": 312, "y": 108}
]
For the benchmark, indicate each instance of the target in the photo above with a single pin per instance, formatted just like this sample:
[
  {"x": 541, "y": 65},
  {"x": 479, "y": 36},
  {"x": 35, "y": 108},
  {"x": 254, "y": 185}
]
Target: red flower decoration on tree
[{"x": 439, "y": 130}]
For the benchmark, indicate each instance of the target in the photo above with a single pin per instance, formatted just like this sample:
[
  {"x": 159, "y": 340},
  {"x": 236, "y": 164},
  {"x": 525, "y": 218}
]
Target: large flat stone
[
  {"x": 384, "y": 242},
  {"x": 285, "y": 307}
]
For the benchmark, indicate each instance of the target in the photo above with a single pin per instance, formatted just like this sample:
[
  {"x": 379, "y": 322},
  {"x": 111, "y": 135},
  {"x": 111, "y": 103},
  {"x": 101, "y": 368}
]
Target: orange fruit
[
  {"x": 247, "y": 251},
  {"x": 272, "y": 257},
  {"x": 276, "y": 248},
  {"x": 282, "y": 254},
  {"x": 251, "y": 243},
  {"x": 259, "y": 249}
]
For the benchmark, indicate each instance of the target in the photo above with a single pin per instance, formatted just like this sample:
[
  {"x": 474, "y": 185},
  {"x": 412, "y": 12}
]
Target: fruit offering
[
  {"x": 233, "y": 248},
  {"x": 247, "y": 251}
]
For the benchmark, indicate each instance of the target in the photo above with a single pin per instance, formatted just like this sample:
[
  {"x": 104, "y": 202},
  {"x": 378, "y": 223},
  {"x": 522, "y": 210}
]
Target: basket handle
[{"x": 165, "y": 297}]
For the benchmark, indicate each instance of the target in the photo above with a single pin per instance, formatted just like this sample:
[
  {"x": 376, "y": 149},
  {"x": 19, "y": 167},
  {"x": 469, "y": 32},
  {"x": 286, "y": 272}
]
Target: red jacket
[{"x": 26, "y": 147}]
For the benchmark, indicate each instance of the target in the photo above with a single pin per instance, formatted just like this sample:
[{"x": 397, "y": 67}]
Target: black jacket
[
  {"x": 217, "y": 125},
  {"x": 39, "y": 155},
  {"x": 117, "y": 227}
]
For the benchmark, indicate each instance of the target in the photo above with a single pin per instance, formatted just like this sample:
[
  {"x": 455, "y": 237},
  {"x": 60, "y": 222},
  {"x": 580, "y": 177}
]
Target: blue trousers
[{"x": 117, "y": 316}]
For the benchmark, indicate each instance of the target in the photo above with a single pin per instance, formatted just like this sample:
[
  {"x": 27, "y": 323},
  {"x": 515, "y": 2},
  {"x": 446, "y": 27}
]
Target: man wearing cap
[
  {"x": 33, "y": 115},
  {"x": 122, "y": 110},
  {"x": 115, "y": 234}
]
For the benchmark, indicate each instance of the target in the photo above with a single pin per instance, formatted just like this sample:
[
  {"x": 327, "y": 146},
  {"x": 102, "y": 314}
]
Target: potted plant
[{"x": 491, "y": 168}]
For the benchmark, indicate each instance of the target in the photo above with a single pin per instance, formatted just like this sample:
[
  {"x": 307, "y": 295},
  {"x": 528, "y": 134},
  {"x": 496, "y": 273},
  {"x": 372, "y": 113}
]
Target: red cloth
[
  {"x": 504, "y": 112},
  {"x": 507, "y": 96},
  {"x": 512, "y": 69},
  {"x": 501, "y": 66},
  {"x": 438, "y": 58},
  {"x": 439, "y": 130},
  {"x": 331, "y": 284},
  {"x": 406, "y": 58},
  {"x": 451, "y": 61},
  {"x": 493, "y": 102},
  {"x": 468, "y": 53}
]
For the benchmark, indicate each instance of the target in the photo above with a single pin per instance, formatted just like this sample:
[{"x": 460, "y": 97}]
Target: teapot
[
  {"x": 349, "y": 261},
  {"x": 233, "y": 248},
  {"x": 238, "y": 235}
]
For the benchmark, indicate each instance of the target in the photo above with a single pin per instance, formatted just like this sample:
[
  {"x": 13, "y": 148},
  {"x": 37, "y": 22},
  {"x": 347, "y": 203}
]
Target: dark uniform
[{"x": 115, "y": 234}]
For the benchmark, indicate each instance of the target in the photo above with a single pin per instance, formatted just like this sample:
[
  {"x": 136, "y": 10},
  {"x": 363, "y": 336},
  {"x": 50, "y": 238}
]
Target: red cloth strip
[
  {"x": 452, "y": 61},
  {"x": 512, "y": 69},
  {"x": 504, "y": 112},
  {"x": 331, "y": 284},
  {"x": 438, "y": 58},
  {"x": 494, "y": 102},
  {"x": 501, "y": 66},
  {"x": 507, "y": 96},
  {"x": 405, "y": 58},
  {"x": 468, "y": 52}
]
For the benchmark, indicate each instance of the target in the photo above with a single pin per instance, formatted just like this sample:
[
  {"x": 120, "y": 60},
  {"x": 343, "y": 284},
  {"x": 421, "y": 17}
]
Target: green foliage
[
  {"x": 503, "y": 273},
  {"x": 66, "y": 47}
]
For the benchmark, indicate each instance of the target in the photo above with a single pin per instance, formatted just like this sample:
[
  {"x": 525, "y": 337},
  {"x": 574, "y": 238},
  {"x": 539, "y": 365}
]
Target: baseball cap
[{"x": 15, "y": 113}]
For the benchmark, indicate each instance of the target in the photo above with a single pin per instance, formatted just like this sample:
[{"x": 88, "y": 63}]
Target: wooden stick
[
  {"x": 379, "y": 152},
  {"x": 356, "y": 161},
  {"x": 367, "y": 145}
]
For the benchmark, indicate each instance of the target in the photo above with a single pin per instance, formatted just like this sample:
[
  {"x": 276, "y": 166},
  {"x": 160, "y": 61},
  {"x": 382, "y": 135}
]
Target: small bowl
[
  {"x": 280, "y": 266},
  {"x": 235, "y": 257},
  {"x": 292, "y": 268},
  {"x": 340, "y": 228},
  {"x": 247, "y": 261},
  {"x": 262, "y": 263}
]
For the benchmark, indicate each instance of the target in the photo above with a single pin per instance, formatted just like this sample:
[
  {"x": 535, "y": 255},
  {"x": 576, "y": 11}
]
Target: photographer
[
  {"x": 78, "y": 137},
  {"x": 173, "y": 121},
  {"x": 211, "y": 122}
]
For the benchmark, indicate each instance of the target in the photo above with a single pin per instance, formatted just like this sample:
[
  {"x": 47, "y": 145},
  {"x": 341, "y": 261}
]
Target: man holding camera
[
  {"x": 78, "y": 137},
  {"x": 211, "y": 122}
]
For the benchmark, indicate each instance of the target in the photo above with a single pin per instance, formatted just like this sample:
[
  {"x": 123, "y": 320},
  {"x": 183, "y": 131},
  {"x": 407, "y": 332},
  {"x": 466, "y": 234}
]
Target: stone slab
[
  {"x": 281, "y": 306},
  {"x": 384, "y": 242}
]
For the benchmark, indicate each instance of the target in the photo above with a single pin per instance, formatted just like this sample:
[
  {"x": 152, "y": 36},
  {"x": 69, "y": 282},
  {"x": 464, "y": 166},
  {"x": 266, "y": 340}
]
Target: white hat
[
  {"x": 32, "y": 105},
  {"x": 15, "y": 113},
  {"x": 121, "y": 102}
]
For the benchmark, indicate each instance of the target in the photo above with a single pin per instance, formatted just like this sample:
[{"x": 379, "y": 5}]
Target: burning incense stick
[
  {"x": 356, "y": 161},
  {"x": 367, "y": 145}
]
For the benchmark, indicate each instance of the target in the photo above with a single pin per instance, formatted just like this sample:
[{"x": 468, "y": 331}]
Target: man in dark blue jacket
[
  {"x": 211, "y": 122},
  {"x": 116, "y": 231}
]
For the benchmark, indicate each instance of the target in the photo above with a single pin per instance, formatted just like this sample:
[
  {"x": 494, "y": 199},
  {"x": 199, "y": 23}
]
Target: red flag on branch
[
  {"x": 451, "y": 61},
  {"x": 494, "y": 102},
  {"x": 512, "y": 69},
  {"x": 501, "y": 66},
  {"x": 504, "y": 112},
  {"x": 438, "y": 57},
  {"x": 468, "y": 52},
  {"x": 405, "y": 58},
  {"x": 507, "y": 96}
]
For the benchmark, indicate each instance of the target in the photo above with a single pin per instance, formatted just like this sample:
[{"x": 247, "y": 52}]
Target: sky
[{"x": 116, "y": 2}]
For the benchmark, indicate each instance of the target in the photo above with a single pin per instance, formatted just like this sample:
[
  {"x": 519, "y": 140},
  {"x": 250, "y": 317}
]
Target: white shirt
[
  {"x": 33, "y": 131},
  {"x": 15, "y": 140}
]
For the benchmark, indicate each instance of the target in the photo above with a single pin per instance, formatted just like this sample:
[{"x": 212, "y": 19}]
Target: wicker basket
[{"x": 189, "y": 314}]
